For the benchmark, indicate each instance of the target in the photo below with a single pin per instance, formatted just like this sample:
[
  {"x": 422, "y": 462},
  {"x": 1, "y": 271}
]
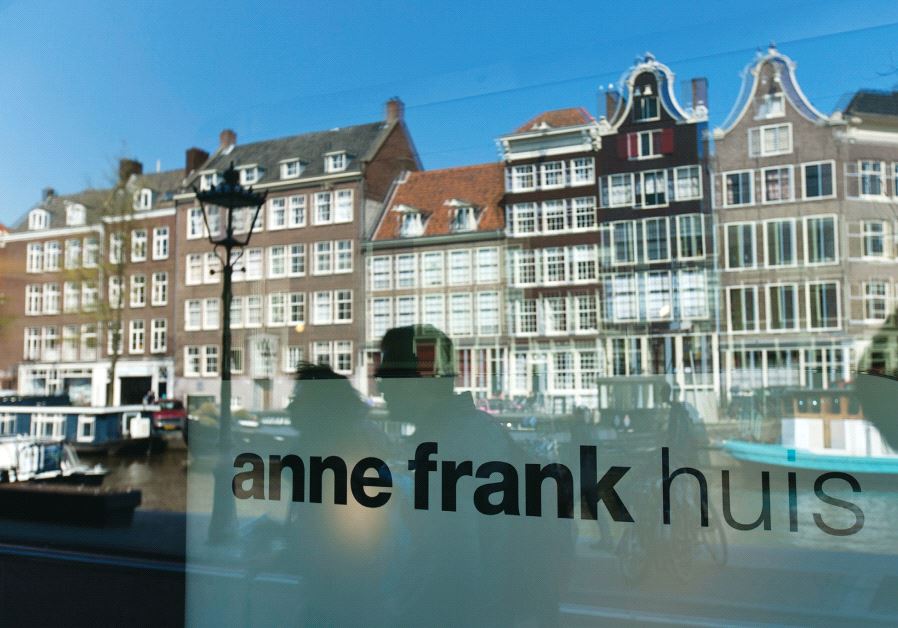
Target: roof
[
  {"x": 357, "y": 141},
  {"x": 782, "y": 68},
  {"x": 881, "y": 103},
  {"x": 557, "y": 118},
  {"x": 163, "y": 184},
  {"x": 435, "y": 193}
]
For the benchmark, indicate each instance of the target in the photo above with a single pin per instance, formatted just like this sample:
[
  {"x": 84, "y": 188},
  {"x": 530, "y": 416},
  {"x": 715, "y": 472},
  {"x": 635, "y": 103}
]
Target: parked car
[{"x": 170, "y": 416}]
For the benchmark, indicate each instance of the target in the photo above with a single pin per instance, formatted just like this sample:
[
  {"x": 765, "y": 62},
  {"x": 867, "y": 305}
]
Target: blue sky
[{"x": 85, "y": 83}]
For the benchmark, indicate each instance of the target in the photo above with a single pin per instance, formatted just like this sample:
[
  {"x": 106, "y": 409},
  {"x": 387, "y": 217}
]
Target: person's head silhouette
[{"x": 416, "y": 371}]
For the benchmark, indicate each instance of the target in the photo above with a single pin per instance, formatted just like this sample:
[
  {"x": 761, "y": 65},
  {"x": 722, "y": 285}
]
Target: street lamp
[{"x": 227, "y": 207}]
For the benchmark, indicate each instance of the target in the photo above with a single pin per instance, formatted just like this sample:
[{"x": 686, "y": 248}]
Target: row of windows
[
  {"x": 283, "y": 260},
  {"x": 428, "y": 269},
  {"x": 780, "y": 242},
  {"x": 657, "y": 296},
  {"x": 203, "y": 360},
  {"x": 325, "y": 208},
  {"x": 459, "y": 313},
  {"x": 81, "y": 342},
  {"x": 329, "y": 307},
  {"x": 777, "y": 184},
  {"x": 822, "y": 307},
  {"x": 550, "y": 175},
  {"x": 139, "y": 243},
  {"x": 552, "y": 216},
  {"x": 289, "y": 169},
  {"x": 43, "y": 257},
  {"x": 651, "y": 188},
  {"x": 138, "y": 290}
]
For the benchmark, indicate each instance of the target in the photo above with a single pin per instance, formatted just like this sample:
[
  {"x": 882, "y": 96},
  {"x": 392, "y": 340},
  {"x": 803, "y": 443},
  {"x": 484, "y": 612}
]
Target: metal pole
[{"x": 223, "y": 524}]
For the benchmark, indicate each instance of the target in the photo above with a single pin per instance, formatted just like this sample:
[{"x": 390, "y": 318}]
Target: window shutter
[
  {"x": 667, "y": 141},
  {"x": 622, "y": 151},
  {"x": 632, "y": 145}
]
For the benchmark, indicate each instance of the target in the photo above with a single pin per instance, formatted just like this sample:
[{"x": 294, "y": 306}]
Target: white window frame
[
  {"x": 159, "y": 289},
  {"x": 160, "y": 243},
  {"x": 791, "y": 170},
  {"x": 754, "y": 245},
  {"x": 804, "y": 174},
  {"x": 158, "y": 335},
  {"x": 756, "y": 304},
  {"x": 761, "y": 133},
  {"x": 807, "y": 252},
  {"x": 764, "y": 226},
  {"x": 768, "y": 306},
  {"x": 751, "y": 187},
  {"x": 807, "y": 298}
]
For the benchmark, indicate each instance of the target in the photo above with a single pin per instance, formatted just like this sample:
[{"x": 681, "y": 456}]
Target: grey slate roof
[
  {"x": 874, "y": 102},
  {"x": 310, "y": 148},
  {"x": 163, "y": 184}
]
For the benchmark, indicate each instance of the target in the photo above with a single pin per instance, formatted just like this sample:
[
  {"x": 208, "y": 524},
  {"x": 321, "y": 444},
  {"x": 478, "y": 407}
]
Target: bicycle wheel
[
  {"x": 682, "y": 545},
  {"x": 632, "y": 556}
]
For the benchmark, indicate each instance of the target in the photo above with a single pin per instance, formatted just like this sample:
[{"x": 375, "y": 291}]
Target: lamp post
[{"x": 226, "y": 208}]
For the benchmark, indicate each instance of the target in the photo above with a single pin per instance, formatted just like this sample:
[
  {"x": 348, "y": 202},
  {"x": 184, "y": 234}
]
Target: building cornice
[{"x": 455, "y": 238}]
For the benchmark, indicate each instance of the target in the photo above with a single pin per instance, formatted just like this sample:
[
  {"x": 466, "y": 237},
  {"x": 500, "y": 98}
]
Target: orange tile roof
[
  {"x": 557, "y": 118},
  {"x": 429, "y": 191}
]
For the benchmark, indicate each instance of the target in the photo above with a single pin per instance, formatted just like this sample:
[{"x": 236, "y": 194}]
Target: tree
[{"x": 105, "y": 270}]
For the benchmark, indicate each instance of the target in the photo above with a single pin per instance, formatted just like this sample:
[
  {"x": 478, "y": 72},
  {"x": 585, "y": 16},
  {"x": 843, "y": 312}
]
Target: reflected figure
[
  {"x": 461, "y": 566},
  {"x": 343, "y": 550}
]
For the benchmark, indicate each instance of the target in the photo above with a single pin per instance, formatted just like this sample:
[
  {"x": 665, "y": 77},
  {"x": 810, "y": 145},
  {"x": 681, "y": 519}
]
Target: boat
[
  {"x": 88, "y": 429},
  {"x": 816, "y": 430},
  {"x": 30, "y": 459}
]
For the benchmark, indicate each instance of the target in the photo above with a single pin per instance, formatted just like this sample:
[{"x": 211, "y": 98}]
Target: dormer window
[
  {"x": 74, "y": 215},
  {"x": 411, "y": 221},
  {"x": 38, "y": 219},
  {"x": 335, "y": 162},
  {"x": 250, "y": 174},
  {"x": 772, "y": 105},
  {"x": 646, "y": 105},
  {"x": 143, "y": 199},
  {"x": 208, "y": 180},
  {"x": 465, "y": 216},
  {"x": 291, "y": 169}
]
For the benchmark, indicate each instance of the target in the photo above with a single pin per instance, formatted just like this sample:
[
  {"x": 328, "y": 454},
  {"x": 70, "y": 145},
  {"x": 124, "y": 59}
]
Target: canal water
[{"x": 161, "y": 476}]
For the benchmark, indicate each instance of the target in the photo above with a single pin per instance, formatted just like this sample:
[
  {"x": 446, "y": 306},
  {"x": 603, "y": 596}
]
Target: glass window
[
  {"x": 740, "y": 245},
  {"x": 874, "y": 238},
  {"x": 688, "y": 183},
  {"x": 739, "y": 188},
  {"x": 823, "y": 305},
  {"x": 820, "y": 235},
  {"x": 690, "y": 236},
  {"x": 818, "y": 180},
  {"x": 780, "y": 243},
  {"x": 743, "y": 308},
  {"x": 777, "y": 184},
  {"x": 782, "y": 307},
  {"x": 657, "y": 239}
]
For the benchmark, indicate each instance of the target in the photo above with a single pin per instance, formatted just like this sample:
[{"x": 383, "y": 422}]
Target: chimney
[
  {"x": 611, "y": 100},
  {"x": 127, "y": 167},
  {"x": 699, "y": 93},
  {"x": 395, "y": 110},
  {"x": 226, "y": 139},
  {"x": 194, "y": 159},
  {"x": 47, "y": 193}
]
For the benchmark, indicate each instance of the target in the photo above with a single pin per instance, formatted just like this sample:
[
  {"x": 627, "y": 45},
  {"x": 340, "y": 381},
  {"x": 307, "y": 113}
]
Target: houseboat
[
  {"x": 88, "y": 429},
  {"x": 31, "y": 459},
  {"x": 815, "y": 429}
]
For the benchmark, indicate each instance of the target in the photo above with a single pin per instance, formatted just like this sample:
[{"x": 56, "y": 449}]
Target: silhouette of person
[
  {"x": 461, "y": 567},
  {"x": 342, "y": 550}
]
